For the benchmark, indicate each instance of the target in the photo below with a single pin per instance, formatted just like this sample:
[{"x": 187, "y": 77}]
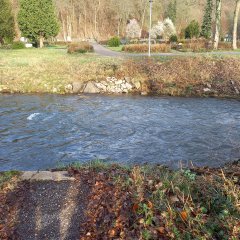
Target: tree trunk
[
  {"x": 218, "y": 23},
  {"x": 235, "y": 24},
  {"x": 85, "y": 22},
  {"x": 118, "y": 28},
  {"x": 41, "y": 41},
  {"x": 143, "y": 18}
]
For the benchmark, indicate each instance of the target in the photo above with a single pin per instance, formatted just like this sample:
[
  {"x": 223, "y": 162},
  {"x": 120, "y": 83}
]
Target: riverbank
[
  {"x": 111, "y": 202},
  {"x": 55, "y": 71}
]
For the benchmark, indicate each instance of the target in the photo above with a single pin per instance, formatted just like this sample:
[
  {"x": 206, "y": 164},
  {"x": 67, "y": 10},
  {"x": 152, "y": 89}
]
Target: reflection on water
[{"x": 39, "y": 132}]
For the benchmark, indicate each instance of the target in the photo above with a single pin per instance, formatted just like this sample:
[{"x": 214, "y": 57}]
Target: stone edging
[
  {"x": 46, "y": 176},
  {"x": 111, "y": 85}
]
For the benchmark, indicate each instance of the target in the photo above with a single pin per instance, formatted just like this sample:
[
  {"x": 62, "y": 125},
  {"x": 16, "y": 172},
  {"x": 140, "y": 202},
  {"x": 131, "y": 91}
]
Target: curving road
[{"x": 103, "y": 51}]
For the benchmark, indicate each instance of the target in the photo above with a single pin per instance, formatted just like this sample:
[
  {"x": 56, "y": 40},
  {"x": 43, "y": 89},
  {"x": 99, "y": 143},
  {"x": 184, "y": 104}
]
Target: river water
[{"x": 40, "y": 132}]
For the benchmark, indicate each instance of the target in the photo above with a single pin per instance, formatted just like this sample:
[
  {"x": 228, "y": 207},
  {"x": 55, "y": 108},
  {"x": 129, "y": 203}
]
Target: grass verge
[
  {"x": 53, "y": 70},
  {"x": 116, "y": 49},
  {"x": 7, "y": 176},
  {"x": 149, "y": 202}
]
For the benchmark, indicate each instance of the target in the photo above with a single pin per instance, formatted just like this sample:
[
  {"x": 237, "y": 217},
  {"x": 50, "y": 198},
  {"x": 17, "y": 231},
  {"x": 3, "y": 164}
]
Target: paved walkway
[
  {"x": 103, "y": 51},
  {"x": 100, "y": 50},
  {"x": 49, "y": 206}
]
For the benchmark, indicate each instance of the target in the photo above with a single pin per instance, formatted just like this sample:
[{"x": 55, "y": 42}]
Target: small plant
[
  {"x": 190, "y": 175},
  {"x": 18, "y": 45},
  {"x": 173, "y": 38},
  {"x": 114, "y": 42},
  {"x": 192, "y": 30}
]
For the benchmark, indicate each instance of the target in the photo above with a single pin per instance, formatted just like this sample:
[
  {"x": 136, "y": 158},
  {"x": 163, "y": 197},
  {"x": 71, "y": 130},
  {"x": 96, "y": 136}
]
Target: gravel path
[{"x": 52, "y": 210}]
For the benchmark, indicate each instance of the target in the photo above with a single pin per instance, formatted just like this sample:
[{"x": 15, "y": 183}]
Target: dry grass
[
  {"x": 196, "y": 45},
  {"x": 188, "y": 76},
  {"x": 227, "y": 46},
  {"x": 153, "y": 202},
  {"x": 50, "y": 70},
  {"x": 81, "y": 47},
  {"x": 143, "y": 48},
  {"x": 203, "y": 45}
]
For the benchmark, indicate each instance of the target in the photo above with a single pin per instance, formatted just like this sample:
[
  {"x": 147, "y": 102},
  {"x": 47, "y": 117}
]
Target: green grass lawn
[
  {"x": 116, "y": 49},
  {"x": 49, "y": 69}
]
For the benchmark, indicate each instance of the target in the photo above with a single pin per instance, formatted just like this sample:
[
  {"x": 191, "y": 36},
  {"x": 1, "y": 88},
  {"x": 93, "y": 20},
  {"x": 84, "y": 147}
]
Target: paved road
[{"x": 101, "y": 50}]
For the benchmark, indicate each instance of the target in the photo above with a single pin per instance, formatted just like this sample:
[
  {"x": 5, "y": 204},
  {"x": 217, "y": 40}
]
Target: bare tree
[
  {"x": 218, "y": 23},
  {"x": 235, "y": 24}
]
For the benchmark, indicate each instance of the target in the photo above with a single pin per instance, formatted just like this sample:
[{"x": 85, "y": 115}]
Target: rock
[
  {"x": 68, "y": 88},
  {"x": 235, "y": 87},
  {"x": 118, "y": 82},
  {"x": 128, "y": 86},
  {"x": 137, "y": 85},
  {"x": 77, "y": 87},
  {"x": 4, "y": 89},
  {"x": 91, "y": 88},
  {"x": 209, "y": 85},
  {"x": 127, "y": 79},
  {"x": 144, "y": 93},
  {"x": 101, "y": 86},
  {"x": 207, "y": 90},
  {"x": 54, "y": 90},
  {"x": 104, "y": 83}
]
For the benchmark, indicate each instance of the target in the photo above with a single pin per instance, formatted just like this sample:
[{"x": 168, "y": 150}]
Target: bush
[
  {"x": 18, "y": 45},
  {"x": 173, "y": 38},
  {"x": 6, "y": 46},
  {"x": 225, "y": 45},
  {"x": 114, "y": 42},
  {"x": 81, "y": 47},
  {"x": 143, "y": 48},
  {"x": 194, "y": 45},
  {"x": 192, "y": 30}
]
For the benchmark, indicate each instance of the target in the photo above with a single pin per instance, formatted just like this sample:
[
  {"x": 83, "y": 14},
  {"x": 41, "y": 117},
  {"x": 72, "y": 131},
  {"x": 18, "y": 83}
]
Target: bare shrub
[
  {"x": 143, "y": 48},
  {"x": 226, "y": 45},
  {"x": 188, "y": 75},
  {"x": 81, "y": 47},
  {"x": 196, "y": 45}
]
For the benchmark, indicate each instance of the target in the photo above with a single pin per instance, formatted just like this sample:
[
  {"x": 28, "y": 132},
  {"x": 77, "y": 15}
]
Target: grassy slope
[
  {"x": 152, "y": 202},
  {"x": 42, "y": 70},
  {"x": 50, "y": 70}
]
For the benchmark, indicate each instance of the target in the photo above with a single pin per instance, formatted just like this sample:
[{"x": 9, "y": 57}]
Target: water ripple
[{"x": 38, "y": 132}]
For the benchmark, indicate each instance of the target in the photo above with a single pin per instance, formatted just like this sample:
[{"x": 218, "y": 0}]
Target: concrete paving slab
[{"x": 46, "y": 176}]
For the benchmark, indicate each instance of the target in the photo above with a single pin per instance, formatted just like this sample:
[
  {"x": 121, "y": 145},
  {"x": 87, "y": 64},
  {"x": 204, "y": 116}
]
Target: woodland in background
[{"x": 101, "y": 19}]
